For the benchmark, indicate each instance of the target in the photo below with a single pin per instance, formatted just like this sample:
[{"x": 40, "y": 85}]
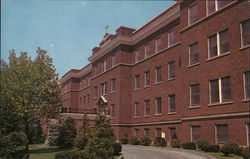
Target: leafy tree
[
  {"x": 67, "y": 134},
  {"x": 29, "y": 91}
]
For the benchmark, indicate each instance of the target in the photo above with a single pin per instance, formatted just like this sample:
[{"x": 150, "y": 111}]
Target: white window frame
[
  {"x": 171, "y": 30},
  {"x": 113, "y": 109},
  {"x": 169, "y": 77},
  {"x": 191, "y": 131},
  {"x": 220, "y": 91},
  {"x": 113, "y": 85},
  {"x": 95, "y": 91},
  {"x": 145, "y": 108},
  {"x": 169, "y": 103},
  {"x": 145, "y": 134},
  {"x": 189, "y": 50},
  {"x": 156, "y": 129},
  {"x": 105, "y": 65},
  {"x": 156, "y": 104},
  {"x": 190, "y": 96},
  {"x": 135, "y": 112},
  {"x": 189, "y": 14},
  {"x": 156, "y": 75},
  {"x": 218, "y": 44},
  {"x": 113, "y": 60},
  {"x": 216, "y": 136},
  {"x": 241, "y": 33},
  {"x": 137, "y": 53},
  {"x": 145, "y": 79},
  {"x": 156, "y": 44},
  {"x": 248, "y": 137},
  {"x": 137, "y": 77},
  {"x": 104, "y": 89},
  {"x": 147, "y": 48},
  {"x": 216, "y": 7},
  {"x": 244, "y": 85}
]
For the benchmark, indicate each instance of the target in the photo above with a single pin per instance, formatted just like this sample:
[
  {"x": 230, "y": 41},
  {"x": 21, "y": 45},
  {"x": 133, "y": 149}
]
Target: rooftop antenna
[{"x": 106, "y": 29}]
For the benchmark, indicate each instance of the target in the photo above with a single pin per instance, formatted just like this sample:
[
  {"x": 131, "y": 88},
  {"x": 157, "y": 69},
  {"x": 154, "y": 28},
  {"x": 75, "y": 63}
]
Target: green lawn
[
  {"x": 220, "y": 155},
  {"x": 39, "y": 152}
]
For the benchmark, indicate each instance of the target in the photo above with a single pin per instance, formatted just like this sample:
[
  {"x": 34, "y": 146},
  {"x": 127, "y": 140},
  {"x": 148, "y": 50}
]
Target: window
[
  {"x": 220, "y": 90},
  {"x": 146, "y": 132},
  {"x": 172, "y": 133},
  {"x": 147, "y": 78},
  {"x": 88, "y": 98},
  {"x": 171, "y": 70},
  {"x": 215, "y": 5},
  {"x": 195, "y": 133},
  {"x": 221, "y": 133},
  {"x": 137, "y": 81},
  {"x": 193, "y": 14},
  {"x": 112, "y": 110},
  {"x": 113, "y": 87},
  {"x": 136, "y": 132},
  {"x": 84, "y": 100},
  {"x": 137, "y": 55},
  {"x": 218, "y": 43},
  {"x": 158, "y": 106},
  {"x": 113, "y": 60},
  {"x": 158, "y": 44},
  {"x": 104, "y": 65},
  {"x": 95, "y": 91},
  {"x": 195, "y": 95},
  {"x": 247, "y": 84},
  {"x": 137, "y": 109},
  {"x": 104, "y": 88},
  {"x": 245, "y": 33},
  {"x": 147, "y": 50},
  {"x": 158, "y": 74},
  {"x": 80, "y": 101},
  {"x": 171, "y": 103},
  {"x": 193, "y": 54},
  {"x": 147, "y": 107},
  {"x": 171, "y": 38},
  {"x": 158, "y": 132}
]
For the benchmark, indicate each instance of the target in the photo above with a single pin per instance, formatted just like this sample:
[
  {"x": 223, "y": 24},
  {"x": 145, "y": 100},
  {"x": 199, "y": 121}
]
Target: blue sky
[{"x": 68, "y": 29}]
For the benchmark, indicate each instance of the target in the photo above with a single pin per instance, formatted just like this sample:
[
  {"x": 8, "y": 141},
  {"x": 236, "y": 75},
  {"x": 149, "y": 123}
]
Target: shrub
[
  {"x": 189, "y": 145},
  {"x": 245, "y": 153},
  {"x": 201, "y": 144},
  {"x": 124, "y": 140},
  {"x": 211, "y": 148},
  {"x": 67, "y": 155},
  {"x": 159, "y": 141},
  {"x": 117, "y": 148},
  {"x": 134, "y": 140},
  {"x": 67, "y": 133},
  {"x": 175, "y": 143},
  {"x": 230, "y": 148},
  {"x": 80, "y": 142},
  {"x": 145, "y": 141}
]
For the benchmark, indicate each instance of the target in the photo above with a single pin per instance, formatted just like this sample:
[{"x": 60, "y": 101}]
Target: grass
[
  {"x": 220, "y": 155},
  {"x": 37, "y": 151}
]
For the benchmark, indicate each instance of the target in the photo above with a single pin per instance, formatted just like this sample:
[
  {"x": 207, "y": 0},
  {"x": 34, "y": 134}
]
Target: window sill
[
  {"x": 147, "y": 86},
  {"x": 171, "y": 79},
  {"x": 112, "y": 92},
  {"x": 194, "y": 107},
  {"x": 158, "y": 83},
  {"x": 171, "y": 113},
  {"x": 136, "y": 117},
  {"x": 244, "y": 47},
  {"x": 137, "y": 89},
  {"x": 219, "y": 56},
  {"x": 218, "y": 104},
  {"x": 146, "y": 116},
  {"x": 193, "y": 65},
  {"x": 245, "y": 100},
  {"x": 158, "y": 114}
]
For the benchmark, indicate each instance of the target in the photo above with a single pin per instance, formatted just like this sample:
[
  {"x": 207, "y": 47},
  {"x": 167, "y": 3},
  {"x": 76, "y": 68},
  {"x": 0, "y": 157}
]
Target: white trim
[
  {"x": 220, "y": 93},
  {"x": 241, "y": 33},
  {"x": 244, "y": 85},
  {"x": 191, "y": 133},
  {"x": 248, "y": 137},
  {"x": 215, "y": 133}
]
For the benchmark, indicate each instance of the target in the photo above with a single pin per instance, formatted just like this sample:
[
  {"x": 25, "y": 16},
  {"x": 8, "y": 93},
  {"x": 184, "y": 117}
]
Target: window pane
[
  {"x": 137, "y": 56},
  {"x": 210, "y": 6},
  {"x": 194, "y": 54},
  {"x": 113, "y": 110},
  {"x": 247, "y": 84},
  {"x": 113, "y": 87},
  {"x": 146, "y": 132},
  {"x": 213, "y": 45},
  {"x": 147, "y": 50},
  {"x": 171, "y": 103},
  {"x": 196, "y": 136},
  {"x": 158, "y": 106},
  {"x": 147, "y": 78},
  {"x": 245, "y": 26},
  {"x": 158, "y": 74},
  {"x": 195, "y": 95},
  {"x": 222, "y": 133},
  {"x": 137, "y": 110},
  {"x": 113, "y": 60},
  {"x": 226, "y": 89},
  {"x": 147, "y": 107},
  {"x": 222, "y": 3},
  {"x": 224, "y": 41},
  {"x": 171, "y": 39},
  {"x": 214, "y": 91},
  {"x": 171, "y": 70},
  {"x": 158, "y": 45},
  {"x": 171, "y": 132},
  {"x": 193, "y": 16},
  {"x": 158, "y": 131},
  {"x": 137, "y": 82}
]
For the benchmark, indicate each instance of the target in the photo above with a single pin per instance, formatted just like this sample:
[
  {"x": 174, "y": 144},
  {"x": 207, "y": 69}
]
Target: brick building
[{"x": 187, "y": 71}]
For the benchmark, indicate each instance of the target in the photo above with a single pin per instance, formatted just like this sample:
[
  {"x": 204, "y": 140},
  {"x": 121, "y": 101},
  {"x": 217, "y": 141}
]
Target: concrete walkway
[{"x": 150, "y": 152}]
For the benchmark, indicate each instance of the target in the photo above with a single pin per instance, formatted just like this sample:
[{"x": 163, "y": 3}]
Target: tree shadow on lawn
[{"x": 48, "y": 150}]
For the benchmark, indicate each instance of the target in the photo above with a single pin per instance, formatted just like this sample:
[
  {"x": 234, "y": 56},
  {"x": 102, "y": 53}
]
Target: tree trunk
[{"x": 27, "y": 156}]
